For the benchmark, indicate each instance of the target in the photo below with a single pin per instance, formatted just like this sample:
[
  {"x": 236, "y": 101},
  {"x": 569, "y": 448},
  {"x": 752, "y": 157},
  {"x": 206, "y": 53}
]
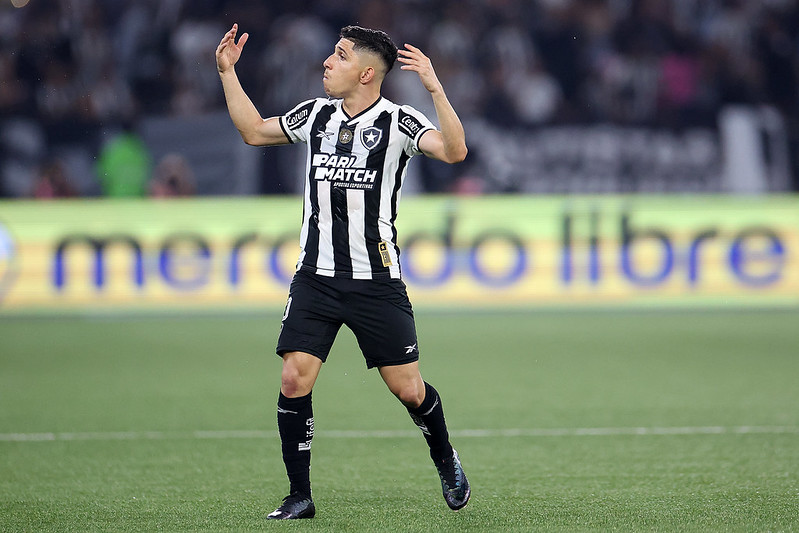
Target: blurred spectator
[
  {"x": 78, "y": 67},
  {"x": 22, "y": 151},
  {"x": 776, "y": 46},
  {"x": 13, "y": 91},
  {"x": 196, "y": 82},
  {"x": 111, "y": 100},
  {"x": 52, "y": 182},
  {"x": 172, "y": 177},
  {"x": 124, "y": 165}
]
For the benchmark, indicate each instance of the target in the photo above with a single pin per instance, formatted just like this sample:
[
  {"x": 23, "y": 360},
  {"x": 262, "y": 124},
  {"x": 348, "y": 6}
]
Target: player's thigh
[
  {"x": 381, "y": 317},
  {"x": 311, "y": 319}
]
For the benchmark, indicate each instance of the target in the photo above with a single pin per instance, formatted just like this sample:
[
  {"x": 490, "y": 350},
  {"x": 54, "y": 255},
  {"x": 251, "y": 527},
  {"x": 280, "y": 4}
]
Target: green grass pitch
[{"x": 565, "y": 421}]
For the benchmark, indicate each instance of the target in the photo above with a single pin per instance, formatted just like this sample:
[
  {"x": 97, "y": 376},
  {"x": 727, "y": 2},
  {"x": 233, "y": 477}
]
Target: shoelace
[{"x": 454, "y": 480}]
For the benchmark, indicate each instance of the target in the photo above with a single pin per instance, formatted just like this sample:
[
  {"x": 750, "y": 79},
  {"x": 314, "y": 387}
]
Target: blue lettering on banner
[
  {"x": 448, "y": 265},
  {"x": 741, "y": 256},
  {"x": 99, "y": 245},
  {"x": 272, "y": 255},
  {"x": 756, "y": 256},
  {"x": 694, "y": 254},
  {"x": 200, "y": 262},
  {"x": 513, "y": 275},
  {"x": 667, "y": 257}
]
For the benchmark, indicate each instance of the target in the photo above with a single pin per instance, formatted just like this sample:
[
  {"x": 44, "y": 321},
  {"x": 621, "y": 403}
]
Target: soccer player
[{"x": 348, "y": 272}]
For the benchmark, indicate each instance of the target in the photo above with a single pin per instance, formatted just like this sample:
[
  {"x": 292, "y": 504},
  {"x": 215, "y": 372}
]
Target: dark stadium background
[{"x": 631, "y": 84}]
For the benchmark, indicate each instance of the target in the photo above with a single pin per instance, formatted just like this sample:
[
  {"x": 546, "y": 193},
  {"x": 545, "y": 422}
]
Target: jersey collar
[{"x": 350, "y": 119}]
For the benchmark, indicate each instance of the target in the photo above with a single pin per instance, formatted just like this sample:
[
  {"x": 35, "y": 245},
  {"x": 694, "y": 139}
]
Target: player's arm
[
  {"x": 252, "y": 127},
  {"x": 449, "y": 144}
]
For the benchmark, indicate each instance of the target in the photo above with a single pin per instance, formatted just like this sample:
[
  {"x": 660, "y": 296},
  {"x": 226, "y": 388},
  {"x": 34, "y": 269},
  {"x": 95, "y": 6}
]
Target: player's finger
[
  {"x": 243, "y": 39},
  {"x": 229, "y": 35},
  {"x": 410, "y": 60},
  {"x": 407, "y": 53}
]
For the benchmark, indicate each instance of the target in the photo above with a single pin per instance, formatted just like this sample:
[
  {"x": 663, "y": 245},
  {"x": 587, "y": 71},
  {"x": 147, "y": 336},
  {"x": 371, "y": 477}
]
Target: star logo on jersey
[
  {"x": 345, "y": 136},
  {"x": 371, "y": 136}
]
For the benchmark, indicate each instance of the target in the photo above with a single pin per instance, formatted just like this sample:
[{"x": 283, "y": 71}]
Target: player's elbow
[
  {"x": 251, "y": 137},
  {"x": 249, "y": 140},
  {"x": 458, "y": 155}
]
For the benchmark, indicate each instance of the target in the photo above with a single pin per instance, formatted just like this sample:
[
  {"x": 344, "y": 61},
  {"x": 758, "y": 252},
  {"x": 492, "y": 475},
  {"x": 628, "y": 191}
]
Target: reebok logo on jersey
[{"x": 341, "y": 171}]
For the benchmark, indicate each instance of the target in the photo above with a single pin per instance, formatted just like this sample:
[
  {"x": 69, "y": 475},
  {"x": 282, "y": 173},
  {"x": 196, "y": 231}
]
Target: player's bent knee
[
  {"x": 292, "y": 385},
  {"x": 298, "y": 375},
  {"x": 410, "y": 395}
]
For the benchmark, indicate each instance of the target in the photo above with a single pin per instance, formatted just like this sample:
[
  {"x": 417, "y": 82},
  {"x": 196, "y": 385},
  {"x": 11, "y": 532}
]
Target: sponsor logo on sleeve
[
  {"x": 409, "y": 125},
  {"x": 298, "y": 117}
]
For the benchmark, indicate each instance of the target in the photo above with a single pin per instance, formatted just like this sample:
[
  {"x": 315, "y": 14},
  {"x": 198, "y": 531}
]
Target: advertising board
[{"x": 491, "y": 251}]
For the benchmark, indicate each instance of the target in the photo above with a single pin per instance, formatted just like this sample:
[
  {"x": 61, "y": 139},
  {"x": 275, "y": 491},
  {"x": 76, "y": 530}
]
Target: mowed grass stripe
[{"x": 394, "y": 434}]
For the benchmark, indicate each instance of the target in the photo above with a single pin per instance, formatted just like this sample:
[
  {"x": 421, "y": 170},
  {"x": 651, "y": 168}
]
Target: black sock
[
  {"x": 430, "y": 418},
  {"x": 296, "y": 426}
]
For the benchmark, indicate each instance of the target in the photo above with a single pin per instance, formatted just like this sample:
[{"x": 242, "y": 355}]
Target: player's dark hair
[{"x": 375, "y": 41}]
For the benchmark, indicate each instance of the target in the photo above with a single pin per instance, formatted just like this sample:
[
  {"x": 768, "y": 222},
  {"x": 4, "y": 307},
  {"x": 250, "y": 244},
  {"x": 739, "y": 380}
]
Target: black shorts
[{"x": 378, "y": 312}]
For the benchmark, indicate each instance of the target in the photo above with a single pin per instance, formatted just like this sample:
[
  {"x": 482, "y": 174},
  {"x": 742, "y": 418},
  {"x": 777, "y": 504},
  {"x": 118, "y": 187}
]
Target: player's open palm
[
  {"x": 415, "y": 60},
  {"x": 228, "y": 52}
]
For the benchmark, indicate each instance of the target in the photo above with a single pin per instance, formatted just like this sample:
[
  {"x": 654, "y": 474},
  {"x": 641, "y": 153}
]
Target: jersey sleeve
[
  {"x": 413, "y": 124},
  {"x": 295, "y": 124}
]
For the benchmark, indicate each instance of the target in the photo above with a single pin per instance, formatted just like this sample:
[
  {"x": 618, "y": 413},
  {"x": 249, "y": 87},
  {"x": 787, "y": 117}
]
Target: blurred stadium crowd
[{"x": 80, "y": 77}]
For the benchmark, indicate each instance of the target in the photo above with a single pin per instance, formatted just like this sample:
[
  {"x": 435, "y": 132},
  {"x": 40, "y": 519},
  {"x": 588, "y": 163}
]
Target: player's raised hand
[
  {"x": 413, "y": 59},
  {"x": 228, "y": 52}
]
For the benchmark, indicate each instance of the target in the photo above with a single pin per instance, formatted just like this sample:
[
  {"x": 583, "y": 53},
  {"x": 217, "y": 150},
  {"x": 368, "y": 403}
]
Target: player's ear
[{"x": 367, "y": 75}]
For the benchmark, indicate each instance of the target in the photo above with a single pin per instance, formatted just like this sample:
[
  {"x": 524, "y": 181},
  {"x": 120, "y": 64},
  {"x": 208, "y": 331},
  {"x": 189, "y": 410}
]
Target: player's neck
[{"x": 356, "y": 103}]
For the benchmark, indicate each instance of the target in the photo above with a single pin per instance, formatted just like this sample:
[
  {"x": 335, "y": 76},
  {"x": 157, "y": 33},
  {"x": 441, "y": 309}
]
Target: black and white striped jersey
[{"x": 354, "y": 172}]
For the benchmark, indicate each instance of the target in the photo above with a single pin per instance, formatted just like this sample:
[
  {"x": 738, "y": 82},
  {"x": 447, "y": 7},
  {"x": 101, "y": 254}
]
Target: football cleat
[
  {"x": 295, "y": 505},
  {"x": 454, "y": 484}
]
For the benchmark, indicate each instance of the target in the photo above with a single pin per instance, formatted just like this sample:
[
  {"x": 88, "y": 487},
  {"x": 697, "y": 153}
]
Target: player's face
[{"x": 342, "y": 70}]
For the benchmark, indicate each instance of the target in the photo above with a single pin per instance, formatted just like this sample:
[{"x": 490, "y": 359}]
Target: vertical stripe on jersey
[
  {"x": 395, "y": 197},
  {"x": 338, "y": 206},
  {"x": 373, "y": 198},
  {"x": 361, "y": 269},
  {"x": 311, "y": 245}
]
